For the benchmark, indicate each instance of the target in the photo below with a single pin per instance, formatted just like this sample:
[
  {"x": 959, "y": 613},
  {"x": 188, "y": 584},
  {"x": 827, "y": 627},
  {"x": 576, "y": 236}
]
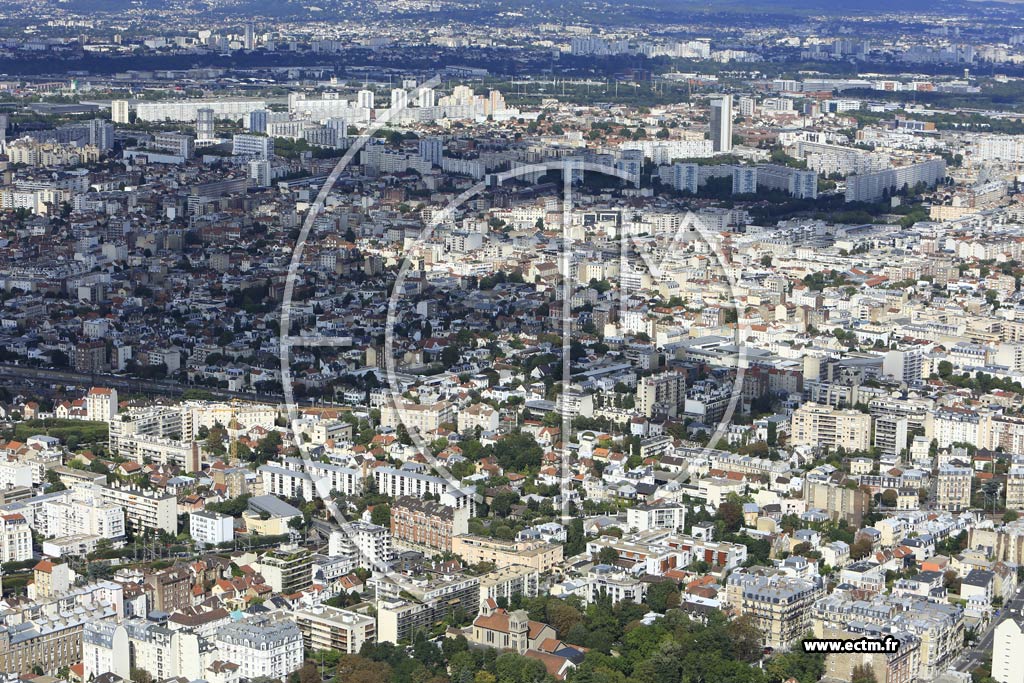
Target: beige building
[
  {"x": 779, "y": 605},
  {"x": 841, "y": 500},
  {"x": 415, "y": 416},
  {"x": 814, "y": 424},
  {"x": 901, "y": 666},
  {"x": 330, "y": 628},
  {"x": 953, "y": 488},
  {"x": 662, "y": 393},
  {"x": 537, "y": 555},
  {"x": 1015, "y": 486}
]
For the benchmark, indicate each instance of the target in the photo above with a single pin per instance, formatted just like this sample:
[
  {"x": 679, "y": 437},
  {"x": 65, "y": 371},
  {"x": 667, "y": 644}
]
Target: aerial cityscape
[{"x": 426, "y": 341}]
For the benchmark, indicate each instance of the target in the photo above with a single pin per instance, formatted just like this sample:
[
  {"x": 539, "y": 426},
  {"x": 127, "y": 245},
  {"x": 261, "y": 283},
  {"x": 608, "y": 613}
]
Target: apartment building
[
  {"x": 144, "y": 509},
  {"x": 406, "y": 482},
  {"x": 1007, "y": 664},
  {"x": 1015, "y": 485},
  {"x": 330, "y": 628},
  {"x": 798, "y": 183},
  {"x": 814, "y": 424},
  {"x": 426, "y": 524},
  {"x": 287, "y": 569},
  {"x": 953, "y": 488},
  {"x": 671, "y": 516},
  {"x": 901, "y": 666},
  {"x": 509, "y": 581},
  {"x": 211, "y": 528},
  {"x": 47, "y": 633},
  {"x": 539, "y": 556},
  {"x": 424, "y": 606},
  {"x": 15, "y": 538},
  {"x": 424, "y": 418},
  {"x": 779, "y": 605},
  {"x": 841, "y": 500},
  {"x": 169, "y": 590},
  {"x": 872, "y": 186},
  {"x": 939, "y": 626},
  {"x": 661, "y": 394},
  {"x": 262, "y": 646}
]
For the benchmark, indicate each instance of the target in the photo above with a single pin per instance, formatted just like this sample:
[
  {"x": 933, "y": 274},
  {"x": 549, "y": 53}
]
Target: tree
[
  {"x": 1010, "y": 516},
  {"x": 860, "y": 549},
  {"x": 863, "y": 673},
  {"x": 518, "y": 451},
  {"x": 730, "y": 513},
  {"x": 501, "y": 504},
  {"x": 562, "y": 617},
  {"x": 359, "y": 669},
  {"x": 381, "y": 515},
  {"x": 307, "y": 674},
  {"x": 889, "y": 498},
  {"x": 662, "y": 596},
  {"x": 607, "y": 555}
]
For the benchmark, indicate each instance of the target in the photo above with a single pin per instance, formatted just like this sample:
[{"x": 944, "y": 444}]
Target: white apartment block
[
  {"x": 187, "y": 110},
  {"x": 15, "y": 539},
  {"x": 211, "y": 528},
  {"x": 144, "y": 509},
  {"x": 1007, "y": 664},
  {"x": 262, "y": 647},
  {"x": 814, "y": 424}
]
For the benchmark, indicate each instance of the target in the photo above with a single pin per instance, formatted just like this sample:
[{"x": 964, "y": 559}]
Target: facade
[
  {"x": 330, "y": 628},
  {"x": 953, "y": 488},
  {"x": 779, "y": 605},
  {"x": 105, "y": 649},
  {"x": 1007, "y": 665},
  {"x": 814, "y": 424},
  {"x": 144, "y": 509},
  {"x": 426, "y": 524},
  {"x": 211, "y": 528},
  {"x": 15, "y": 539},
  {"x": 539, "y": 556},
  {"x": 721, "y": 124},
  {"x": 262, "y": 647}
]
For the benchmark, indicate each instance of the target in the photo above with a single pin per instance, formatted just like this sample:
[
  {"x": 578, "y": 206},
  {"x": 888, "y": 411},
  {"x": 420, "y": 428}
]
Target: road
[{"x": 975, "y": 657}]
